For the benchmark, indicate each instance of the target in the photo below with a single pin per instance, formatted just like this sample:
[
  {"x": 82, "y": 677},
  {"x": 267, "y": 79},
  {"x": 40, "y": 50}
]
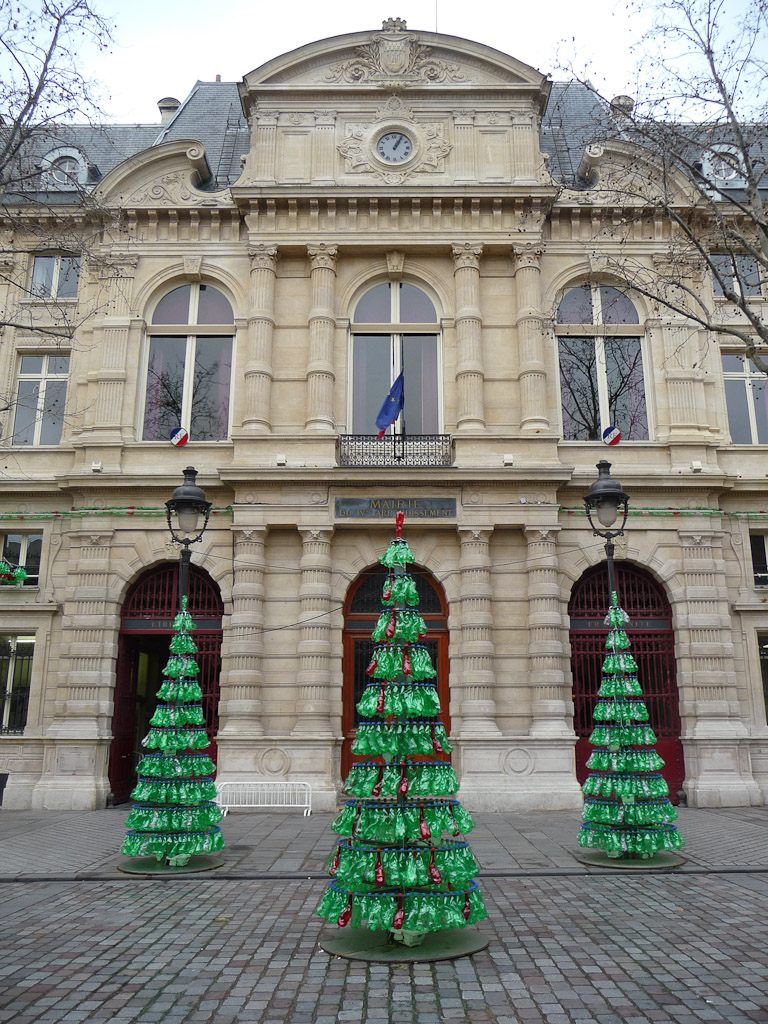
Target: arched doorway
[
  {"x": 653, "y": 647},
  {"x": 361, "y": 611},
  {"x": 145, "y": 634}
]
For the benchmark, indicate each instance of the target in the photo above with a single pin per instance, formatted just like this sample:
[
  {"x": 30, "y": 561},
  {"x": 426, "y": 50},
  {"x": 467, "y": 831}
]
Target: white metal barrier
[{"x": 264, "y": 794}]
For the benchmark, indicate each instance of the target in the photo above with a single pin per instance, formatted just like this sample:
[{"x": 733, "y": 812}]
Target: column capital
[
  {"x": 466, "y": 254},
  {"x": 323, "y": 256},
  {"x": 316, "y": 534},
  {"x": 527, "y": 256},
  {"x": 474, "y": 534},
  {"x": 541, "y": 534},
  {"x": 262, "y": 256}
]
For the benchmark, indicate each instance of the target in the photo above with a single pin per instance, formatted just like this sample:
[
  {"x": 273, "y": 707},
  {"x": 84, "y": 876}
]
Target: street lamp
[
  {"x": 183, "y": 511},
  {"x": 607, "y": 501}
]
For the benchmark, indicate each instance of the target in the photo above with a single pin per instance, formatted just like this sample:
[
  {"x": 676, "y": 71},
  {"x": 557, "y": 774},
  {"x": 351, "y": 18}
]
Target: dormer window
[
  {"x": 723, "y": 166},
  {"x": 64, "y": 169}
]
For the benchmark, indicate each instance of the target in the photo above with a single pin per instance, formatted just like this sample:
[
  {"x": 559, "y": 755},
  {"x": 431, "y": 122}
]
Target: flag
[{"x": 393, "y": 405}]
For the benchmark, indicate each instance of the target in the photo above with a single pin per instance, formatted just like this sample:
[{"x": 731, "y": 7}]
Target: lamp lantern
[
  {"x": 183, "y": 511},
  {"x": 606, "y": 500}
]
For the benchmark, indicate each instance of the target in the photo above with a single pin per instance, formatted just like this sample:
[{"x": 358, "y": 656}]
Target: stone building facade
[{"x": 258, "y": 269}]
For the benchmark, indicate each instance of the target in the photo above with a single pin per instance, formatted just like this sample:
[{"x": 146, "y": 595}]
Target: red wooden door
[
  {"x": 361, "y": 612},
  {"x": 145, "y": 635},
  {"x": 653, "y": 646}
]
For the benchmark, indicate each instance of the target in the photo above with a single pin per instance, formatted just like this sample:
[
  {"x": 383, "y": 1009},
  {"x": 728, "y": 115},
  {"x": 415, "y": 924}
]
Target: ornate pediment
[{"x": 395, "y": 56}]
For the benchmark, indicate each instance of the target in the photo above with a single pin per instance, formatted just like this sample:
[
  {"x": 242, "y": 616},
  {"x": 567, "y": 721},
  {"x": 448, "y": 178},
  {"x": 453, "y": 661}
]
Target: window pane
[
  {"x": 626, "y": 388},
  {"x": 738, "y": 415},
  {"x": 616, "y": 308},
  {"x": 749, "y": 275},
  {"x": 375, "y": 307},
  {"x": 578, "y": 389},
  {"x": 420, "y": 412},
  {"x": 58, "y": 365},
  {"x": 416, "y": 306},
  {"x": 576, "y": 306},
  {"x": 759, "y": 398},
  {"x": 165, "y": 384},
  {"x": 31, "y": 364},
  {"x": 26, "y": 412},
  {"x": 12, "y": 548},
  {"x": 42, "y": 276},
  {"x": 723, "y": 264},
  {"x": 53, "y": 411},
  {"x": 173, "y": 308},
  {"x": 733, "y": 364},
  {"x": 210, "y": 397},
  {"x": 32, "y": 559},
  {"x": 69, "y": 272},
  {"x": 759, "y": 563},
  {"x": 371, "y": 379},
  {"x": 213, "y": 307}
]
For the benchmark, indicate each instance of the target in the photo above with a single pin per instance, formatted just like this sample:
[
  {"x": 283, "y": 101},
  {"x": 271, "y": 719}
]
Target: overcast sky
[{"x": 164, "y": 46}]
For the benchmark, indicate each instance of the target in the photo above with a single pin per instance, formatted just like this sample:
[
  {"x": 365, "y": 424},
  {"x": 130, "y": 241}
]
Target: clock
[{"x": 394, "y": 147}]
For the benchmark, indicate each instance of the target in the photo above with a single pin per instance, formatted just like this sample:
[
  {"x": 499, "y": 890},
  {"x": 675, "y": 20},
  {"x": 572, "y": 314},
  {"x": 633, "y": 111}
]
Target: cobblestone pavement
[
  {"x": 613, "y": 949},
  {"x": 86, "y": 844},
  {"x": 82, "y": 942}
]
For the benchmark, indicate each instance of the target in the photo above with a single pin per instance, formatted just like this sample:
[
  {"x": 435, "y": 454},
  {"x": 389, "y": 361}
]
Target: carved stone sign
[{"x": 385, "y": 508}]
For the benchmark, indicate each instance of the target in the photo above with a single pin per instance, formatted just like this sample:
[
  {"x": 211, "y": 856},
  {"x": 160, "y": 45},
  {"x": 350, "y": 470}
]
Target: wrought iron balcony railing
[{"x": 394, "y": 451}]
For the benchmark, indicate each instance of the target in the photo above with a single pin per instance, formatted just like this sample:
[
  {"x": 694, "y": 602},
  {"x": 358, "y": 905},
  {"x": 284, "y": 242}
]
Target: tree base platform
[
  {"x": 152, "y": 866},
  {"x": 378, "y": 947},
  {"x": 661, "y": 861}
]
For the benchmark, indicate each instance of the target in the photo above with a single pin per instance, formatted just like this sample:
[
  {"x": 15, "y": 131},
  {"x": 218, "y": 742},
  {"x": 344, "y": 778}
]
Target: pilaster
[
  {"x": 313, "y": 708},
  {"x": 470, "y": 373},
  {"x": 322, "y": 323},
  {"x": 259, "y": 371}
]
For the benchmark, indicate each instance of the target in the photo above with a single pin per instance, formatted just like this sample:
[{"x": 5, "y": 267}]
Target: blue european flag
[{"x": 393, "y": 405}]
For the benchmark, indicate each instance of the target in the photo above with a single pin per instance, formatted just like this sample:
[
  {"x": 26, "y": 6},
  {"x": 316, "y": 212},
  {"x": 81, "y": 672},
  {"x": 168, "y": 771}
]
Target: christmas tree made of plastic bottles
[
  {"x": 175, "y": 815},
  {"x": 627, "y": 811},
  {"x": 401, "y": 863}
]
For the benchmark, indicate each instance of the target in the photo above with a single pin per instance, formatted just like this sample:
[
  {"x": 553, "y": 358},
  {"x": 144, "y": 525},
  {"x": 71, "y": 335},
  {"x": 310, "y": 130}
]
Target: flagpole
[{"x": 402, "y": 411}]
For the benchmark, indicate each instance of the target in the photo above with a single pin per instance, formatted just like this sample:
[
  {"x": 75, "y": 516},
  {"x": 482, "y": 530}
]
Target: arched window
[
  {"x": 602, "y": 383},
  {"x": 395, "y": 329},
  {"x": 189, "y": 365}
]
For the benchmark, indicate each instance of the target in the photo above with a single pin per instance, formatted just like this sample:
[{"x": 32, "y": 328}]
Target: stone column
[
  {"x": 322, "y": 324},
  {"x": 324, "y": 150},
  {"x": 716, "y": 733},
  {"x": 530, "y": 333},
  {"x": 313, "y": 707},
  {"x": 550, "y": 704},
  {"x": 261, "y": 324},
  {"x": 241, "y": 672},
  {"x": 470, "y": 375},
  {"x": 478, "y": 677}
]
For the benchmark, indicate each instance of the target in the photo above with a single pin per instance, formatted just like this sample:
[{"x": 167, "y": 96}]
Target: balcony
[{"x": 418, "y": 451}]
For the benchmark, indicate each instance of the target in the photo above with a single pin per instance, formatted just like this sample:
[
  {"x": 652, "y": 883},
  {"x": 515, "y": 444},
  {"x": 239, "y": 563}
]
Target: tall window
[
  {"x": 746, "y": 394},
  {"x": 394, "y": 329},
  {"x": 189, "y": 366},
  {"x": 602, "y": 383},
  {"x": 24, "y": 549},
  {"x": 16, "y": 654},
  {"x": 55, "y": 276},
  {"x": 41, "y": 394}
]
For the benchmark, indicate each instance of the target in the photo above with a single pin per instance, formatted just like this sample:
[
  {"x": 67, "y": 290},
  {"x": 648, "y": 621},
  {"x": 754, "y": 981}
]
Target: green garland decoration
[
  {"x": 627, "y": 811},
  {"x": 395, "y": 868},
  {"x": 175, "y": 815}
]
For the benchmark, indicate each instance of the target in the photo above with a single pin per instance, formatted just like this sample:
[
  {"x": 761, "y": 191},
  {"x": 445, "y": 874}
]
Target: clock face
[{"x": 394, "y": 147}]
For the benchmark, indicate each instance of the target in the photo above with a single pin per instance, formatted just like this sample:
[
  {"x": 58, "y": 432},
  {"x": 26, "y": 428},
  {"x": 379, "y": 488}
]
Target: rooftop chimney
[
  {"x": 167, "y": 106},
  {"x": 218, "y": 78}
]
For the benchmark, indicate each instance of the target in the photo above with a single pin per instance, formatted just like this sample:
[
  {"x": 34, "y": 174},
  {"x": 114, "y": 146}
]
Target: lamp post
[
  {"x": 607, "y": 501},
  {"x": 183, "y": 511}
]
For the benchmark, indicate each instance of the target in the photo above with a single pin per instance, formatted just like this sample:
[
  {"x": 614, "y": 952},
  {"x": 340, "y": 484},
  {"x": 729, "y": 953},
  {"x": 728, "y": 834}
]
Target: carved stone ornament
[
  {"x": 174, "y": 189},
  {"x": 466, "y": 255},
  {"x": 429, "y": 152},
  {"x": 394, "y": 55},
  {"x": 322, "y": 256},
  {"x": 528, "y": 255},
  {"x": 193, "y": 267},
  {"x": 262, "y": 256},
  {"x": 395, "y": 264}
]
